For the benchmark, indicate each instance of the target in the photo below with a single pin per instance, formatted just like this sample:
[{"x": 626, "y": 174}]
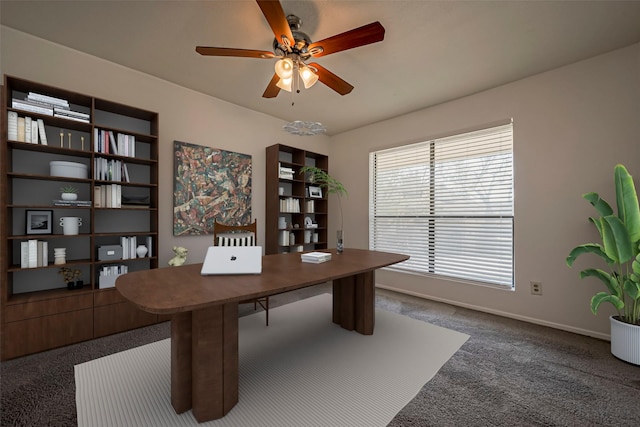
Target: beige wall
[
  {"x": 185, "y": 115},
  {"x": 571, "y": 126}
]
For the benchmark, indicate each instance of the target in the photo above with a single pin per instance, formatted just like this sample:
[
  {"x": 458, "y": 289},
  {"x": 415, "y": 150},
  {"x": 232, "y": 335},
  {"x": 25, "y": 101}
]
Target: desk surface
[{"x": 179, "y": 289}]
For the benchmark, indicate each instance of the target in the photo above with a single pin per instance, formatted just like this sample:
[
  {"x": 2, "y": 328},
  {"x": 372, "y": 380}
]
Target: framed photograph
[
  {"x": 315, "y": 192},
  {"x": 39, "y": 222}
]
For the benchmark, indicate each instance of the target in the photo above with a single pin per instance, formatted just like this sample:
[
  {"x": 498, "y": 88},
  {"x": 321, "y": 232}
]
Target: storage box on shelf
[
  {"x": 296, "y": 214},
  {"x": 54, "y": 138}
]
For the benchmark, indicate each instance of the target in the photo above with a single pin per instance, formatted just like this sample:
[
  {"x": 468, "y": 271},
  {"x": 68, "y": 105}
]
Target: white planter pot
[
  {"x": 625, "y": 341},
  {"x": 69, "y": 196}
]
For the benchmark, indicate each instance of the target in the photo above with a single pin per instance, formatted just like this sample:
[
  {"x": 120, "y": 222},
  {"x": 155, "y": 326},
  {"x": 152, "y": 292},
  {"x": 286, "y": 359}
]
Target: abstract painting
[{"x": 210, "y": 184}]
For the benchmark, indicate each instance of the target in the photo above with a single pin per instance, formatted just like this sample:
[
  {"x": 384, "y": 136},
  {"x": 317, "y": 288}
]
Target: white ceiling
[{"x": 433, "y": 51}]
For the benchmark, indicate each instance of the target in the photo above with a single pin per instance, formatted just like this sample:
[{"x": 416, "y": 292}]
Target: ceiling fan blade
[
  {"x": 272, "y": 90},
  {"x": 331, "y": 80},
  {"x": 272, "y": 11},
  {"x": 367, "y": 34},
  {"x": 225, "y": 51}
]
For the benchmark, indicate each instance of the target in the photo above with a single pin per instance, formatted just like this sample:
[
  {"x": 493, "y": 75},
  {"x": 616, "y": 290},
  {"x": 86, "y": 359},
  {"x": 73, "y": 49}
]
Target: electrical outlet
[{"x": 536, "y": 288}]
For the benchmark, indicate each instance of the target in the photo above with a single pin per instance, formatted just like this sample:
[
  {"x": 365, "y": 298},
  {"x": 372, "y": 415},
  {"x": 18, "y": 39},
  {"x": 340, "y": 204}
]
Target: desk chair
[{"x": 240, "y": 235}]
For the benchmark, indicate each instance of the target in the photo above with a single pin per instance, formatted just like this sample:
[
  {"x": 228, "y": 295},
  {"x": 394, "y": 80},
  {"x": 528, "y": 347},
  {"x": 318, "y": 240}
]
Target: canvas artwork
[{"x": 209, "y": 184}]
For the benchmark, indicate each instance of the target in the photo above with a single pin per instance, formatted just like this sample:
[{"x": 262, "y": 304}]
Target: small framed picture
[
  {"x": 315, "y": 192},
  {"x": 39, "y": 222}
]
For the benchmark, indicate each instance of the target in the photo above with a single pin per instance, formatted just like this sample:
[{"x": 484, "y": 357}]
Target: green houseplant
[
  {"x": 620, "y": 250},
  {"x": 69, "y": 192},
  {"x": 331, "y": 186}
]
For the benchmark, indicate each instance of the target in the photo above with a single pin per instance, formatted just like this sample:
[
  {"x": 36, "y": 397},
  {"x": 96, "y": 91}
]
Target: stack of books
[
  {"x": 49, "y": 106},
  {"x": 79, "y": 203},
  {"x": 316, "y": 257},
  {"x": 284, "y": 172}
]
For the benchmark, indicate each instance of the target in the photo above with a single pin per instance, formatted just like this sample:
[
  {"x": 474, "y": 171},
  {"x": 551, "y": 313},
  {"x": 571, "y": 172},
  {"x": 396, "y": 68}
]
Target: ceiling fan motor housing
[{"x": 302, "y": 40}]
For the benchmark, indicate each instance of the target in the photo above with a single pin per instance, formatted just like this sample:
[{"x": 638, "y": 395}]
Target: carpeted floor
[{"x": 509, "y": 373}]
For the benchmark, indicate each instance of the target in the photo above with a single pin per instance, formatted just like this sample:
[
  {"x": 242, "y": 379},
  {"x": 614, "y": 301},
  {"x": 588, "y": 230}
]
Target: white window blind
[{"x": 448, "y": 203}]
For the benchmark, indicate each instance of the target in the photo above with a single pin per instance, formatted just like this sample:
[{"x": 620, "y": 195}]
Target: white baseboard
[{"x": 580, "y": 331}]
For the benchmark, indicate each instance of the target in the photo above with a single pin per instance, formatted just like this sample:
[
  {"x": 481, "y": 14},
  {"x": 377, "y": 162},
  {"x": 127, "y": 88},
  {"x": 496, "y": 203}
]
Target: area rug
[{"x": 301, "y": 370}]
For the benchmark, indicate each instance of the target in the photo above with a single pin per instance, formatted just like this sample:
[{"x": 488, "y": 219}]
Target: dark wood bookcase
[
  {"x": 289, "y": 198},
  {"x": 38, "y": 311}
]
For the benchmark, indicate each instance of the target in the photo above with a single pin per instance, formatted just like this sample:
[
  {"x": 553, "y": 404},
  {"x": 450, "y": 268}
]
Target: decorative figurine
[
  {"x": 82, "y": 142},
  {"x": 180, "y": 258},
  {"x": 69, "y": 139},
  {"x": 61, "y": 138}
]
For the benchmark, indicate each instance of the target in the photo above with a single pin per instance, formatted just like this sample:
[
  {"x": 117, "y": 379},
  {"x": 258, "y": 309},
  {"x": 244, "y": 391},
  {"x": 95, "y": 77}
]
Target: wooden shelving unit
[
  {"x": 289, "y": 199},
  {"x": 38, "y": 311}
]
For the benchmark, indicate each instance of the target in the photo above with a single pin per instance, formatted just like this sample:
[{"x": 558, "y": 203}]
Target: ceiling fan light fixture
[
  {"x": 284, "y": 68},
  {"x": 285, "y": 84},
  {"x": 309, "y": 78}
]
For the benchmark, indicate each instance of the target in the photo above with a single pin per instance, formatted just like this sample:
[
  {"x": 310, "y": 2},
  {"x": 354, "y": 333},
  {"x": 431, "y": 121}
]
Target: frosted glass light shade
[
  {"x": 284, "y": 68},
  {"x": 285, "y": 84},
  {"x": 308, "y": 77}
]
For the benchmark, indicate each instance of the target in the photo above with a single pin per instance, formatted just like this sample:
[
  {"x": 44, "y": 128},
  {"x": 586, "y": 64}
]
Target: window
[{"x": 448, "y": 203}]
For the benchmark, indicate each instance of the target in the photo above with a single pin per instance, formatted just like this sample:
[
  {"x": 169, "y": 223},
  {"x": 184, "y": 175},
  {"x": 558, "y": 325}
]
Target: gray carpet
[{"x": 509, "y": 373}]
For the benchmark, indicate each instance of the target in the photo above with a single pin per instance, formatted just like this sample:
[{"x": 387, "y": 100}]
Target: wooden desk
[{"x": 204, "y": 315}]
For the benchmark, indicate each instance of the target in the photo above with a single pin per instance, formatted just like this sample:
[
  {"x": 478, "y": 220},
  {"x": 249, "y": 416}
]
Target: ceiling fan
[{"x": 294, "y": 48}]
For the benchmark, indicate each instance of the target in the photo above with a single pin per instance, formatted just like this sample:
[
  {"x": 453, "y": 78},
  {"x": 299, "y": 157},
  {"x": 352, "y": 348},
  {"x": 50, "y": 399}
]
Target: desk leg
[
  {"x": 204, "y": 361},
  {"x": 215, "y": 375},
  {"x": 354, "y": 302},
  {"x": 181, "y": 362}
]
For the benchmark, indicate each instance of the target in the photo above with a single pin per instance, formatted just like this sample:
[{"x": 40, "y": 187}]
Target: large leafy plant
[
  {"x": 620, "y": 249},
  {"x": 327, "y": 182}
]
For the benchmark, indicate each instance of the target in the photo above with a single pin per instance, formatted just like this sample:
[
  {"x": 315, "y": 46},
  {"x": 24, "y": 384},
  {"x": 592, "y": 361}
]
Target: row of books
[
  {"x": 129, "y": 245},
  {"x": 49, "y": 106},
  {"x": 109, "y": 273},
  {"x": 25, "y": 129},
  {"x": 107, "y": 196},
  {"x": 34, "y": 253},
  {"x": 106, "y": 142},
  {"x": 316, "y": 257},
  {"x": 110, "y": 170},
  {"x": 290, "y": 205}
]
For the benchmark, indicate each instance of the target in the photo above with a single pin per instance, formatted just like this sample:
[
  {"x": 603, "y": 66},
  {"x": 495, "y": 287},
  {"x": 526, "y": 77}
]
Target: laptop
[{"x": 232, "y": 260}]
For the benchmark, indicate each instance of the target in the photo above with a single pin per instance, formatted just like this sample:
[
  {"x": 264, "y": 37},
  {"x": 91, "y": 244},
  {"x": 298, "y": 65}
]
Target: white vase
[
  {"x": 625, "y": 341},
  {"x": 141, "y": 250},
  {"x": 69, "y": 196}
]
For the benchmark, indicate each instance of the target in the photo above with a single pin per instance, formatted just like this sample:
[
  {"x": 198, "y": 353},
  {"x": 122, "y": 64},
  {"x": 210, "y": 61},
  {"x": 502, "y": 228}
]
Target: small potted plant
[
  {"x": 69, "y": 192},
  {"x": 620, "y": 250},
  {"x": 331, "y": 186},
  {"x": 69, "y": 275}
]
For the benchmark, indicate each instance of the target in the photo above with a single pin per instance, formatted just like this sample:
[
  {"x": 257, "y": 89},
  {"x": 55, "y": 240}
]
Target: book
[
  {"x": 12, "y": 125},
  {"x": 112, "y": 142},
  {"x": 33, "y": 253},
  {"x": 21, "y": 129},
  {"x": 27, "y": 129},
  {"x": 24, "y": 254},
  {"x": 31, "y": 107},
  {"x": 97, "y": 196},
  {"x": 67, "y": 112},
  {"x": 77, "y": 119},
  {"x": 34, "y": 131},
  {"x": 34, "y": 96},
  {"x": 42, "y": 132},
  {"x": 80, "y": 203},
  {"x": 316, "y": 257}
]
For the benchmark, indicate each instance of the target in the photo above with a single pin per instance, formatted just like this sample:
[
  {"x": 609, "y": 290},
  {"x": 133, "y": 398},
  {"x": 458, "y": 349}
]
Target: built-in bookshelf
[
  {"x": 54, "y": 138},
  {"x": 296, "y": 209}
]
